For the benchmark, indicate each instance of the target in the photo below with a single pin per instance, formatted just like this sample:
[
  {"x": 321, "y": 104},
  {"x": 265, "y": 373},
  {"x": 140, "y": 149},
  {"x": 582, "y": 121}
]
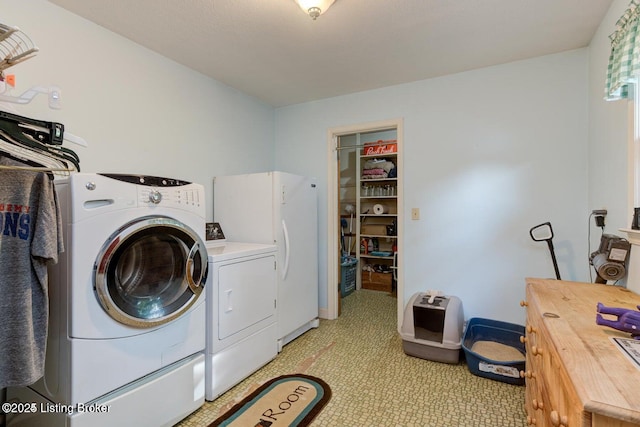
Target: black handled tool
[{"x": 544, "y": 233}]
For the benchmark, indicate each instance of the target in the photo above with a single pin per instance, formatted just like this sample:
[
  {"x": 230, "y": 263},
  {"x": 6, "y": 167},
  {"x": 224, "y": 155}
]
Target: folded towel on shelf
[
  {"x": 379, "y": 164},
  {"x": 379, "y": 176},
  {"x": 378, "y": 171}
]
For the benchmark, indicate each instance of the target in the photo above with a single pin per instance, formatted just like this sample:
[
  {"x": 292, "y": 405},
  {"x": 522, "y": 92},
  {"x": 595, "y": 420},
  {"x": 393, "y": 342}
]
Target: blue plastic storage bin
[
  {"x": 348, "y": 275},
  {"x": 501, "y": 332}
]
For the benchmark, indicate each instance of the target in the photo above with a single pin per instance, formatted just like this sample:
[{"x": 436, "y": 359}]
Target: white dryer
[
  {"x": 127, "y": 307},
  {"x": 241, "y": 313}
]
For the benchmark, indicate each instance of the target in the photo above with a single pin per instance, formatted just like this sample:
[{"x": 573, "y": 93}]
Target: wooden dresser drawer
[{"x": 574, "y": 376}]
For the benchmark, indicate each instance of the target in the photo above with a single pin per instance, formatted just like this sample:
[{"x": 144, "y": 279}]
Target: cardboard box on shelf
[
  {"x": 377, "y": 281},
  {"x": 374, "y": 229}
]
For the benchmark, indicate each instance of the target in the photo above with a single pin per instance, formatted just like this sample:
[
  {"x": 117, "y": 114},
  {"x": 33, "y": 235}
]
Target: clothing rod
[
  {"x": 349, "y": 147},
  {"x": 366, "y": 144},
  {"x": 34, "y": 168}
]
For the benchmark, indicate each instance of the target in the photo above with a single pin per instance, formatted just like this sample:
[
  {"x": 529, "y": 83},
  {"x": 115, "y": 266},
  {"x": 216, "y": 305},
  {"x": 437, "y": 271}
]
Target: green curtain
[{"x": 624, "y": 61}]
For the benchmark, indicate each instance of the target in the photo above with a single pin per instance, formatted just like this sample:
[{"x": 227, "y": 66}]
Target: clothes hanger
[
  {"x": 29, "y": 158},
  {"x": 57, "y": 151},
  {"x": 47, "y": 132},
  {"x": 8, "y": 161},
  {"x": 49, "y": 171},
  {"x": 27, "y": 165},
  {"x": 37, "y": 135},
  {"x": 43, "y": 154},
  {"x": 42, "y": 157}
]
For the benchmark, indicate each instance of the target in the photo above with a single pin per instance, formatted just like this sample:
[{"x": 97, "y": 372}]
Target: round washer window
[{"x": 150, "y": 271}]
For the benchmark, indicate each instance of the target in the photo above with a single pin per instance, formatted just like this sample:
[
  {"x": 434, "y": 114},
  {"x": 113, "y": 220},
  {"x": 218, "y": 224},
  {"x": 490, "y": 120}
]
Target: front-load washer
[
  {"x": 127, "y": 305},
  {"x": 241, "y": 313}
]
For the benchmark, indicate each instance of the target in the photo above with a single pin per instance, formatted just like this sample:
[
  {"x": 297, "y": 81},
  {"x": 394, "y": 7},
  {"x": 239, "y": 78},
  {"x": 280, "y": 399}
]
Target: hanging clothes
[{"x": 30, "y": 239}]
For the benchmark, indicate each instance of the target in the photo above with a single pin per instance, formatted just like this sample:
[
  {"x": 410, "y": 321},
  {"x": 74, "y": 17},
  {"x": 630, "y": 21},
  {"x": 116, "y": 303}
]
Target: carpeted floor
[{"x": 374, "y": 383}]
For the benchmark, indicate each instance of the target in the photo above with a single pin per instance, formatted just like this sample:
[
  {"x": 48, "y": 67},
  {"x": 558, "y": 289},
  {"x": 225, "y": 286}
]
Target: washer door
[{"x": 150, "y": 271}]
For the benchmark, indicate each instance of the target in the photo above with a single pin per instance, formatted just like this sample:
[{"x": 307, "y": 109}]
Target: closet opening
[{"x": 365, "y": 212}]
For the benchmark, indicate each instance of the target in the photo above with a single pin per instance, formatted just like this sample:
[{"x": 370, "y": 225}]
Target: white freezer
[{"x": 277, "y": 208}]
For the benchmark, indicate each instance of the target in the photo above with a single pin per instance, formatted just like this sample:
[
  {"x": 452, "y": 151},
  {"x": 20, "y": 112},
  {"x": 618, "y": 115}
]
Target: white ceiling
[{"x": 272, "y": 50}]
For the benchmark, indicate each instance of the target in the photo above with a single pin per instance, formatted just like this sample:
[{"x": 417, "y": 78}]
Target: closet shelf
[
  {"x": 380, "y": 237},
  {"x": 390, "y": 257},
  {"x": 379, "y": 197},
  {"x": 378, "y": 156}
]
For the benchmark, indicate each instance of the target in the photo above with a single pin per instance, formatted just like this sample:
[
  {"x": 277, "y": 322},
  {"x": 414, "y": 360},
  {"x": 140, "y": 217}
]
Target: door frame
[{"x": 333, "y": 224}]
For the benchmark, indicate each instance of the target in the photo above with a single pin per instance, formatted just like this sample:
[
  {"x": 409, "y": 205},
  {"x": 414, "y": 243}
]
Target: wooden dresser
[{"x": 575, "y": 375}]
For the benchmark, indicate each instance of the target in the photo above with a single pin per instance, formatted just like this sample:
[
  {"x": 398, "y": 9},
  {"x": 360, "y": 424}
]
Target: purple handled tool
[{"x": 628, "y": 320}]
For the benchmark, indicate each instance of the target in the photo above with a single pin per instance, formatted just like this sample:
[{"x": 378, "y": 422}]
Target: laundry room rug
[{"x": 288, "y": 400}]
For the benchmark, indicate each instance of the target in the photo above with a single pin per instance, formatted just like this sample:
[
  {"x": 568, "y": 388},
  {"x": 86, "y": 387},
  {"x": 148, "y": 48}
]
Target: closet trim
[{"x": 333, "y": 224}]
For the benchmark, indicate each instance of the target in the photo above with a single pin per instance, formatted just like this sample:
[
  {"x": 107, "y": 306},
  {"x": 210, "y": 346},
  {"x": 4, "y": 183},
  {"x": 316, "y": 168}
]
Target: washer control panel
[
  {"x": 167, "y": 192},
  {"x": 148, "y": 180},
  {"x": 188, "y": 195}
]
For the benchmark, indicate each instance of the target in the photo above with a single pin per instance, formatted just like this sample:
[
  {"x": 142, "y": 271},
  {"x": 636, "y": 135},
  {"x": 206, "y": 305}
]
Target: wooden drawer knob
[
  {"x": 523, "y": 339},
  {"x": 527, "y": 374},
  {"x": 557, "y": 420},
  {"x": 536, "y": 351},
  {"x": 531, "y": 421},
  {"x": 531, "y": 329},
  {"x": 537, "y": 404},
  {"x": 523, "y": 303}
]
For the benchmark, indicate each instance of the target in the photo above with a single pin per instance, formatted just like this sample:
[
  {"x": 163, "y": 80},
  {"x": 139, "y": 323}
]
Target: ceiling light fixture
[{"x": 315, "y": 8}]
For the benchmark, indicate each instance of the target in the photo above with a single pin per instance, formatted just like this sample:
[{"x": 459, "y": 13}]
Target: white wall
[
  {"x": 139, "y": 112},
  {"x": 608, "y": 126},
  {"x": 488, "y": 154}
]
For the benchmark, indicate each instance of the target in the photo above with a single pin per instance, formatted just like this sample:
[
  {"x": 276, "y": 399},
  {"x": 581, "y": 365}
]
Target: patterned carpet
[{"x": 374, "y": 383}]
